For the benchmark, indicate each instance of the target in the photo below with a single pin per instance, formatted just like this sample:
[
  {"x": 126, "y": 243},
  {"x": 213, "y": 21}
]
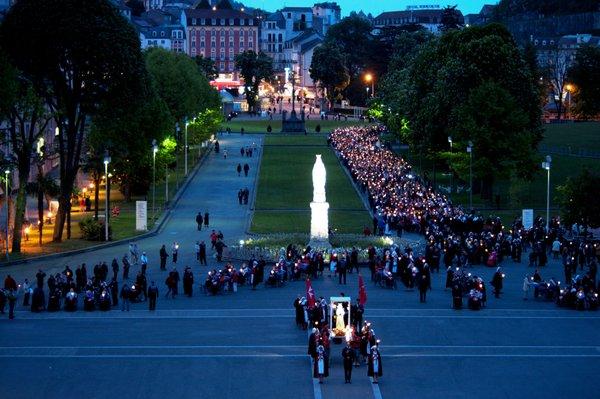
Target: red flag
[
  {"x": 362, "y": 291},
  {"x": 310, "y": 294}
]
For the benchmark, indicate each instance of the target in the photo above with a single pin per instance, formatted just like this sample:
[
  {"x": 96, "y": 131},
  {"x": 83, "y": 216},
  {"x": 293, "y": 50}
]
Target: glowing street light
[
  {"x": 106, "y": 162},
  {"x": 470, "y": 151},
  {"x": 370, "y": 80},
  {"x": 7, "y": 195},
  {"x": 154, "y": 151},
  {"x": 547, "y": 165},
  {"x": 186, "y": 147}
]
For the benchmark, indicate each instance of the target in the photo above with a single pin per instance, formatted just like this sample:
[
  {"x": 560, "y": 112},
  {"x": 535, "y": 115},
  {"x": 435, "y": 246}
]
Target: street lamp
[
  {"x": 470, "y": 151},
  {"x": 154, "y": 151},
  {"x": 369, "y": 80},
  {"x": 451, "y": 174},
  {"x": 177, "y": 131},
  {"x": 106, "y": 162},
  {"x": 186, "y": 148},
  {"x": 7, "y": 195},
  {"x": 546, "y": 165}
]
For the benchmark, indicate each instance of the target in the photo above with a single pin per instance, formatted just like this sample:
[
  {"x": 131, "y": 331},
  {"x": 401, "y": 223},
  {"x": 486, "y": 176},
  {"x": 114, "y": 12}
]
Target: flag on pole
[
  {"x": 310, "y": 294},
  {"x": 362, "y": 291}
]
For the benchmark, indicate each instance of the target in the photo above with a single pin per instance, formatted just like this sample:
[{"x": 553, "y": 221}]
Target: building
[
  {"x": 290, "y": 35},
  {"x": 429, "y": 17},
  {"x": 482, "y": 18},
  {"x": 161, "y": 28},
  {"x": 220, "y": 33}
]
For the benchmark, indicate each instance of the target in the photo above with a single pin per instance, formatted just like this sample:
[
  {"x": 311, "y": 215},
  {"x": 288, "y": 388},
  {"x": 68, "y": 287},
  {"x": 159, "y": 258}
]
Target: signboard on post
[
  {"x": 141, "y": 215},
  {"x": 527, "y": 217}
]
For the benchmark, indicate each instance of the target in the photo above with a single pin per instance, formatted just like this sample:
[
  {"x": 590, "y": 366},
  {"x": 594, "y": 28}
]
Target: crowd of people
[{"x": 455, "y": 237}]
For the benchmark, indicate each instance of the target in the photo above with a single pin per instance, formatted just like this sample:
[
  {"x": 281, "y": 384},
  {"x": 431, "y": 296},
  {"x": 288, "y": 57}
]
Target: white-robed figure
[
  {"x": 375, "y": 368},
  {"x": 339, "y": 317},
  {"x": 321, "y": 364}
]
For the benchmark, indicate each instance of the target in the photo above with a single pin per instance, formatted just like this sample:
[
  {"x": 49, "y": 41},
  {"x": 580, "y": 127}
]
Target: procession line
[
  {"x": 464, "y": 355},
  {"x": 118, "y": 356}
]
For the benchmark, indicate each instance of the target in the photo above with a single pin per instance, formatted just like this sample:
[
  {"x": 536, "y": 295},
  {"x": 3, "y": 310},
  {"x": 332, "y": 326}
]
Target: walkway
[{"x": 213, "y": 189}]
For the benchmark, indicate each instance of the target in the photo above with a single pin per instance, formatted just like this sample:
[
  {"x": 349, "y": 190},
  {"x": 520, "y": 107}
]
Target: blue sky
[{"x": 374, "y": 7}]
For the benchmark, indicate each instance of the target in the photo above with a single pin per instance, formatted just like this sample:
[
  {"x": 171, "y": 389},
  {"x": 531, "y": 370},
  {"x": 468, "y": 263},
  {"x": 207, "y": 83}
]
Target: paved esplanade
[{"x": 246, "y": 345}]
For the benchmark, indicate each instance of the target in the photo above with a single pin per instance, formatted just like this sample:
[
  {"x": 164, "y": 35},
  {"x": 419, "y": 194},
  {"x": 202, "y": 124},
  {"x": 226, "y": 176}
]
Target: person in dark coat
[
  {"x": 246, "y": 169},
  {"x": 163, "y": 257},
  {"x": 206, "y": 219},
  {"x": 115, "y": 268},
  {"x": 348, "y": 359},
  {"x": 239, "y": 169},
  {"x": 497, "y": 282},
  {"x": 188, "y": 282},
  {"x": 126, "y": 266},
  {"x": 114, "y": 291},
  {"x": 449, "y": 277},
  {"x": 199, "y": 221},
  {"x": 321, "y": 363},
  {"x": 202, "y": 253},
  {"x": 313, "y": 339},
  {"x": 40, "y": 279},
  {"x": 152, "y": 296},
  {"x": 375, "y": 368},
  {"x": 423, "y": 287}
]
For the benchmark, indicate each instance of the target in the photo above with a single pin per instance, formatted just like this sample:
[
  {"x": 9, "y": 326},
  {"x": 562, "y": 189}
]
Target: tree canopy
[
  {"x": 578, "y": 199},
  {"x": 584, "y": 75},
  {"x": 329, "y": 70},
  {"x": 254, "y": 68}
]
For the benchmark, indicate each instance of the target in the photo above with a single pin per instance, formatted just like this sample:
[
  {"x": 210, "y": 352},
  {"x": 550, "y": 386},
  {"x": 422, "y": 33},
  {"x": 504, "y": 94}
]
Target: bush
[
  {"x": 269, "y": 129},
  {"x": 318, "y": 129},
  {"x": 93, "y": 230}
]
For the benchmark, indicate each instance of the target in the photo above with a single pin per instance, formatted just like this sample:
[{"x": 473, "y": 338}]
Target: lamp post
[
  {"x": 106, "y": 162},
  {"x": 546, "y": 165},
  {"x": 177, "y": 132},
  {"x": 186, "y": 148},
  {"x": 369, "y": 80},
  {"x": 154, "y": 151},
  {"x": 470, "y": 151},
  {"x": 7, "y": 195},
  {"x": 451, "y": 174}
]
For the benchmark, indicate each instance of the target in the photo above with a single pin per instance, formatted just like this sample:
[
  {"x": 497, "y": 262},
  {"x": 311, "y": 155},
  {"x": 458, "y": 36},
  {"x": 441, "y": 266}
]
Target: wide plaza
[{"x": 246, "y": 344}]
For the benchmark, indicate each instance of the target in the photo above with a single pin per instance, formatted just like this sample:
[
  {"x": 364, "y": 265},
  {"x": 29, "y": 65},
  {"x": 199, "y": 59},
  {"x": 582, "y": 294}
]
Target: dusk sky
[{"x": 374, "y": 7}]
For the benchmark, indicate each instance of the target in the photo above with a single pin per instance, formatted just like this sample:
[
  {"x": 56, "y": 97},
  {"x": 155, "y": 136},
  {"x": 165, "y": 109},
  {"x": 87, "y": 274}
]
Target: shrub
[{"x": 93, "y": 230}]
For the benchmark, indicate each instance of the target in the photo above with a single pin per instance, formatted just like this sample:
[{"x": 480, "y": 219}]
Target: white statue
[
  {"x": 319, "y": 224},
  {"x": 319, "y": 176},
  {"x": 339, "y": 317}
]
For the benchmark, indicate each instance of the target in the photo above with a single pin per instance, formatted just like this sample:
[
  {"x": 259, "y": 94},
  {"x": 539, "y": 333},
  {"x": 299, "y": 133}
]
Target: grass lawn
[
  {"x": 518, "y": 194},
  {"x": 285, "y": 188},
  {"x": 260, "y": 125}
]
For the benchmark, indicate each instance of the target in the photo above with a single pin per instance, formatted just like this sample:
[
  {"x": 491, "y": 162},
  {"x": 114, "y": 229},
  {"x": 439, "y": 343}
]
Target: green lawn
[
  {"x": 260, "y": 125},
  {"x": 285, "y": 188},
  {"x": 518, "y": 194}
]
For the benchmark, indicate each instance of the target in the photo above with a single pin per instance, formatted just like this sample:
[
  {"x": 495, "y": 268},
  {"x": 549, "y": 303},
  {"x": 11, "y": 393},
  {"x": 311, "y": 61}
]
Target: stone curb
[{"x": 166, "y": 215}]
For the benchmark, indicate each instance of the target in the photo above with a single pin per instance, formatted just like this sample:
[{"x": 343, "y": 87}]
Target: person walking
[
  {"x": 152, "y": 296},
  {"x": 26, "y": 287},
  {"x": 11, "y": 296},
  {"x": 239, "y": 169},
  {"x": 246, "y": 169},
  {"x": 115, "y": 268},
  {"x": 144, "y": 262},
  {"x": 125, "y": 294},
  {"x": 375, "y": 369},
  {"x": 199, "y": 221},
  {"x": 205, "y": 219},
  {"x": 525, "y": 287},
  {"x": 175, "y": 251},
  {"x": 321, "y": 363},
  {"x": 423, "y": 287},
  {"x": 163, "y": 257},
  {"x": 348, "y": 358},
  {"x": 197, "y": 250},
  {"x": 341, "y": 271},
  {"x": 203, "y": 253},
  {"x": 126, "y": 266}
]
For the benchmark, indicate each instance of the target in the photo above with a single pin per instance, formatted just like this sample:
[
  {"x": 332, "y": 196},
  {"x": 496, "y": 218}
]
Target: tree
[
  {"x": 207, "y": 67},
  {"x": 328, "y": 69},
  {"x": 578, "y": 199},
  {"x": 451, "y": 19},
  {"x": 253, "y": 68},
  {"x": 185, "y": 91},
  {"x": 446, "y": 78},
  {"x": 556, "y": 69},
  {"x": 353, "y": 37},
  {"x": 86, "y": 54},
  {"x": 27, "y": 119},
  {"x": 584, "y": 75}
]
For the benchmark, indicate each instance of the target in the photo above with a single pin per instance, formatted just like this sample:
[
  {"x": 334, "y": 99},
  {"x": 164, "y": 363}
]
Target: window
[
  {"x": 280, "y": 37},
  {"x": 222, "y": 65},
  {"x": 289, "y": 15},
  {"x": 231, "y": 21},
  {"x": 154, "y": 33},
  {"x": 202, "y": 44},
  {"x": 222, "y": 21},
  {"x": 213, "y": 33},
  {"x": 250, "y": 22},
  {"x": 242, "y": 21},
  {"x": 213, "y": 22},
  {"x": 202, "y": 21},
  {"x": 162, "y": 34},
  {"x": 193, "y": 21}
]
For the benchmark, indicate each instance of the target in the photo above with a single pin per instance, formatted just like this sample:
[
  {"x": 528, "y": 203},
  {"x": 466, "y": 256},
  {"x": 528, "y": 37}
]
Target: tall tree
[
  {"x": 207, "y": 67},
  {"x": 584, "y": 74},
  {"x": 27, "y": 119},
  {"x": 328, "y": 69},
  {"x": 254, "y": 68},
  {"x": 557, "y": 68},
  {"x": 451, "y": 19},
  {"x": 86, "y": 54}
]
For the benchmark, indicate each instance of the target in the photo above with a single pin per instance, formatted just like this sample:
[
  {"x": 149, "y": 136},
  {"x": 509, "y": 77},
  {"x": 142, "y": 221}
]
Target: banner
[
  {"x": 141, "y": 215},
  {"x": 310, "y": 294},
  {"x": 527, "y": 217}
]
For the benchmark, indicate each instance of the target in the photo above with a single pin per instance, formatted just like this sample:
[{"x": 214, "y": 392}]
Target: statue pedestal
[
  {"x": 293, "y": 124},
  {"x": 319, "y": 225}
]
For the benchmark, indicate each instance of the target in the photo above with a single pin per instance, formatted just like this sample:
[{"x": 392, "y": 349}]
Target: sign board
[
  {"x": 141, "y": 215},
  {"x": 527, "y": 217}
]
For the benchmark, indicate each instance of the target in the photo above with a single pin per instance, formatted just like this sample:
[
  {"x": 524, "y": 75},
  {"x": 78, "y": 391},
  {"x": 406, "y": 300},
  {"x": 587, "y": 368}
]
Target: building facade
[
  {"x": 220, "y": 33},
  {"x": 429, "y": 17}
]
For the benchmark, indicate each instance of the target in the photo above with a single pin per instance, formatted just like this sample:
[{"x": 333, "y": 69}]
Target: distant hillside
[{"x": 511, "y": 8}]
